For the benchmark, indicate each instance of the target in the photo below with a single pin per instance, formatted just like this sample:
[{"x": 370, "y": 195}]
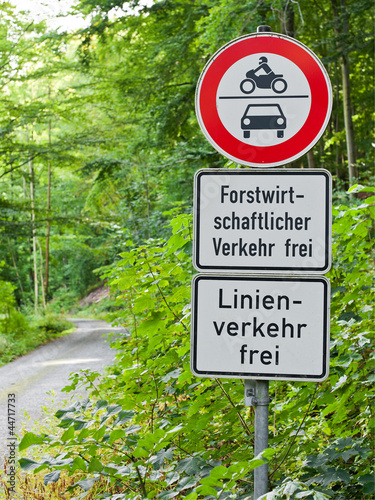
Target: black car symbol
[{"x": 263, "y": 117}]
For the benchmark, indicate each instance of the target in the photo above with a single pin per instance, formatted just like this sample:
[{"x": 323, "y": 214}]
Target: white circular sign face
[
  {"x": 263, "y": 100},
  {"x": 293, "y": 103}
]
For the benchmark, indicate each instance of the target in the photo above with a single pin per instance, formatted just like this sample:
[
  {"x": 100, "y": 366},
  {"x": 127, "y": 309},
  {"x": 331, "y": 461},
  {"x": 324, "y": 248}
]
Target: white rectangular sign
[
  {"x": 260, "y": 327},
  {"x": 268, "y": 221}
]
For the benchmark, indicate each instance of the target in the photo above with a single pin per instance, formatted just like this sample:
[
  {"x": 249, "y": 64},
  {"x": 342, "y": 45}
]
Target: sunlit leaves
[{"x": 166, "y": 434}]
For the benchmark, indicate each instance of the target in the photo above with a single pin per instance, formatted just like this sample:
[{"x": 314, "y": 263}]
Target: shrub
[{"x": 151, "y": 429}]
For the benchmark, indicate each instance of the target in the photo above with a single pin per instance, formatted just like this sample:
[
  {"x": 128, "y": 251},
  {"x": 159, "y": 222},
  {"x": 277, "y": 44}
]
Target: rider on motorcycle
[
  {"x": 264, "y": 78},
  {"x": 262, "y": 66}
]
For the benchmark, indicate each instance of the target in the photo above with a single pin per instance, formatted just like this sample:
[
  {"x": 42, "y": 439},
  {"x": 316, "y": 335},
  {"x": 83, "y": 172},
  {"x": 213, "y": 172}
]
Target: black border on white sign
[
  {"x": 268, "y": 269},
  {"x": 255, "y": 375}
]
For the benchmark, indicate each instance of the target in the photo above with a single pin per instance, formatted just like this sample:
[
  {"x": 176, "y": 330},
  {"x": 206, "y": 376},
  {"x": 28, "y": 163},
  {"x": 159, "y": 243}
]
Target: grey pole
[
  {"x": 264, "y": 29},
  {"x": 261, "y": 436},
  {"x": 261, "y": 401}
]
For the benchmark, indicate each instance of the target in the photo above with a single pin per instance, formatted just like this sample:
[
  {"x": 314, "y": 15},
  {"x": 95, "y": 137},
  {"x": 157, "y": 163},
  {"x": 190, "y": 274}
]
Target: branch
[
  {"x": 143, "y": 488},
  {"x": 164, "y": 298},
  {"x": 31, "y": 158},
  {"x": 242, "y": 421},
  {"x": 296, "y": 434}
]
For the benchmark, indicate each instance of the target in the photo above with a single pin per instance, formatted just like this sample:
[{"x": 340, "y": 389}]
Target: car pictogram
[{"x": 263, "y": 117}]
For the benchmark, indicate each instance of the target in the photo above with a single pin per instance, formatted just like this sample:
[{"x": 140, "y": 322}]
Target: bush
[
  {"x": 151, "y": 429},
  {"x": 52, "y": 324},
  {"x": 23, "y": 334}
]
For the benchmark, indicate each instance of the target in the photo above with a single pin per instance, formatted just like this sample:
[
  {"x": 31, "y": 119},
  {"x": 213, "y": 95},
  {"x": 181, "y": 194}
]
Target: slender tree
[{"x": 341, "y": 27}]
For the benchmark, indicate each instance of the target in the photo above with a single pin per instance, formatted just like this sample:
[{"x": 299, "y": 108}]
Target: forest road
[{"x": 30, "y": 379}]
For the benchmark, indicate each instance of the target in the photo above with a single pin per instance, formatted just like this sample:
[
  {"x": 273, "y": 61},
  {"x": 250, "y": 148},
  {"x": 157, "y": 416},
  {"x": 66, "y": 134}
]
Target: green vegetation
[
  {"x": 20, "y": 334},
  {"x": 152, "y": 430},
  {"x": 99, "y": 145},
  {"x": 99, "y": 137}
]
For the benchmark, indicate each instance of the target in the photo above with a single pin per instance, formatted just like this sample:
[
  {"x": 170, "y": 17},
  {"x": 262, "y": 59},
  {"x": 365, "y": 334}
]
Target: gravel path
[{"x": 31, "y": 378}]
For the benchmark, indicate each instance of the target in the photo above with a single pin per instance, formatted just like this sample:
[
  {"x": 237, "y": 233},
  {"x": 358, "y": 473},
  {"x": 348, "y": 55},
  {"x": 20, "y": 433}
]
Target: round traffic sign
[{"x": 263, "y": 100}]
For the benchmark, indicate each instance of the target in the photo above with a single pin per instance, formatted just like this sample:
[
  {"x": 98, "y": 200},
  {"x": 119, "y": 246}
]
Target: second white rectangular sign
[{"x": 260, "y": 327}]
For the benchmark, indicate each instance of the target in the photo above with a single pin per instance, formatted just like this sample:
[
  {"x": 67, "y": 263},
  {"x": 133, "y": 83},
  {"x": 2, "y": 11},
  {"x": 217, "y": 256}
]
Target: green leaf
[
  {"x": 190, "y": 465},
  {"x": 159, "y": 458},
  {"x": 366, "y": 478},
  {"x": 266, "y": 454},
  {"x": 172, "y": 477},
  {"x": 61, "y": 413},
  {"x": 28, "y": 464},
  {"x": 303, "y": 494},
  {"x": 99, "y": 406},
  {"x": 86, "y": 484},
  {"x": 319, "y": 496},
  {"x": 79, "y": 464},
  {"x": 207, "y": 490},
  {"x": 132, "y": 429},
  {"x": 31, "y": 439},
  {"x": 211, "y": 481},
  {"x": 176, "y": 429},
  {"x": 68, "y": 434},
  {"x": 115, "y": 435},
  {"x": 95, "y": 465},
  {"x": 123, "y": 417},
  {"x": 186, "y": 483},
  {"x": 166, "y": 495},
  {"x": 192, "y": 496},
  {"x": 140, "y": 452},
  {"x": 316, "y": 461},
  {"x": 369, "y": 488},
  {"x": 291, "y": 488},
  {"x": 97, "y": 436},
  {"x": 333, "y": 475},
  {"x": 113, "y": 410},
  {"x": 357, "y": 188},
  {"x": 219, "y": 472},
  {"x": 173, "y": 374},
  {"x": 52, "y": 477}
]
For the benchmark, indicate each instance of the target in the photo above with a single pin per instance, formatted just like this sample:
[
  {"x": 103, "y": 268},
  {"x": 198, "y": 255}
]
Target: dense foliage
[
  {"x": 151, "y": 429},
  {"x": 99, "y": 139},
  {"x": 99, "y": 144}
]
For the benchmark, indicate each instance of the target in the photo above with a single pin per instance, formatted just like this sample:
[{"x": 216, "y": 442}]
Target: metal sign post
[
  {"x": 261, "y": 435},
  {"x": 257, "y": 395},
  {"x": 263, "y": 100}
]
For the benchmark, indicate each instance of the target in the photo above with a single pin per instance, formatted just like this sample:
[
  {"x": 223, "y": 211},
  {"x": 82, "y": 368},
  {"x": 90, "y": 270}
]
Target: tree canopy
[
  {"x": 99, "y": 145},
  {"x": 99, "y": 128}
]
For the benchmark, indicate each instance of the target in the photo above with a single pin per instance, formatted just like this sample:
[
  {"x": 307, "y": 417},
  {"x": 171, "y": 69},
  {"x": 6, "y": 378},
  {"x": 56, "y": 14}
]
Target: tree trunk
[
  {"x": 310, "y": 159},
  {"x": 288, "y": 18},
  {"x": 341, "y": 27},
  {"x": 46, "y": 272},
  {"x": 41, "y": 275},
  {"x": 35, "y": 257},
  {"x": 16, "y": 268},
  {"x": 349, "y": 129}
]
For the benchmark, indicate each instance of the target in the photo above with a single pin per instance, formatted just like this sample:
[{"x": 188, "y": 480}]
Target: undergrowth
[
  {"x": 24, "y": 335},
  {"x": 151, "y": 430}
]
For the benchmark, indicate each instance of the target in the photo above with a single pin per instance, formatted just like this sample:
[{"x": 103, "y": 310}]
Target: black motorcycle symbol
[{"x": 264, "y": 78}]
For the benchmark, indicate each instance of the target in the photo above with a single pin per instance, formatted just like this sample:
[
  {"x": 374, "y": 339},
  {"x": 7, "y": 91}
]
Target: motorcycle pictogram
[{"x": 264, "y": 78}]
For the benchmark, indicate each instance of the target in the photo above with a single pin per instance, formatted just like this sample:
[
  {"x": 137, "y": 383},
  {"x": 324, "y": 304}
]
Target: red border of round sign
[{"x": 304, "y": 139}]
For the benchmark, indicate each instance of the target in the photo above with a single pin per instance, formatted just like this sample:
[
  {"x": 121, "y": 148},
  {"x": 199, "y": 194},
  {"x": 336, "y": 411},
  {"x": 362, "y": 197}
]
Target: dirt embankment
[{"x": 95, "y": 296}]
